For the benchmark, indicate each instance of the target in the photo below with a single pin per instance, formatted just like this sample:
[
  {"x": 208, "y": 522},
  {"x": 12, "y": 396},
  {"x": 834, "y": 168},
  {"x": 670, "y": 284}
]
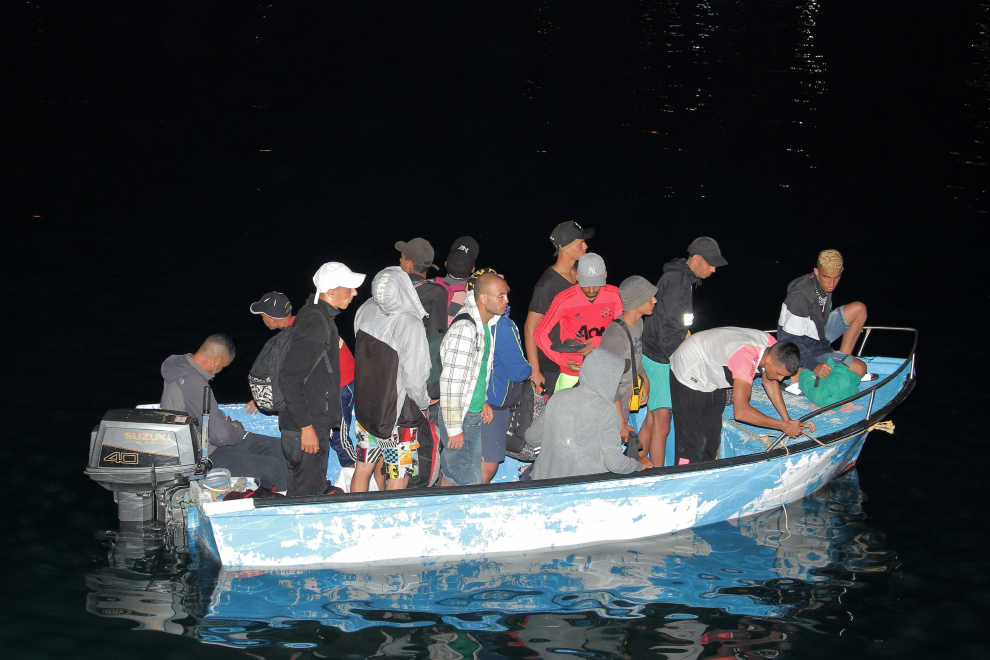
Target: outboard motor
[{"x": 136, "y": 452}]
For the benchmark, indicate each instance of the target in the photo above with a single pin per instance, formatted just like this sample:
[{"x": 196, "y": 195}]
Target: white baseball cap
[{"x": 333, "y": 274}]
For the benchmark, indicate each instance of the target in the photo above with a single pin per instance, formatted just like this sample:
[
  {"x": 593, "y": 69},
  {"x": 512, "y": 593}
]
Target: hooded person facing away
[
  {"x": 391, "y": 367},
  {"x": 578, "y": 433}
]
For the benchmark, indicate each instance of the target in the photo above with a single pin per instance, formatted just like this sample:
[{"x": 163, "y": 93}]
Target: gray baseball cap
[
  {"x": 708, "y": 249},
  {"x": 591, "y": 270},
  {"x": 418, "y": 250}
]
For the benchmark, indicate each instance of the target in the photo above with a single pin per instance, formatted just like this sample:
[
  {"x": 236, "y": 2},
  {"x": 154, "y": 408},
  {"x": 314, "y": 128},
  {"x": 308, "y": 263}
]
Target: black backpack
[
  {"x": 521, "y": 417},
  {"x": 263, "y": 376}
]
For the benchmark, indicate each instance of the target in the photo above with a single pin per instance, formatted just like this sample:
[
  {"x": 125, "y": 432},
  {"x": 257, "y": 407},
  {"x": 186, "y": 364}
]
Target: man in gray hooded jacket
[
  {"x": 578, "y": 433},
  {"x": 391, "y": 367},
  {"x": 244, "y": 454}
]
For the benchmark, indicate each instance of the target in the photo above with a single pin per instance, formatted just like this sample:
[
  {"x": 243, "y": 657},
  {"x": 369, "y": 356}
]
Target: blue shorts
[
  {"x": 835, "y": 327},
  {"x": 659, "y": 375}
]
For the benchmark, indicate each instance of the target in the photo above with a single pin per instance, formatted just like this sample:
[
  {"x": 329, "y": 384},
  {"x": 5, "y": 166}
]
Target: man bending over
[{"x": 808, "y": 320}]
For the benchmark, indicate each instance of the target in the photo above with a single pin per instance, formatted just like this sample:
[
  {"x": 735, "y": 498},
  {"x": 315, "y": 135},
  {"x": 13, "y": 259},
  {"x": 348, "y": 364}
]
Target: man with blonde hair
[{"x": 808, "y": 320}]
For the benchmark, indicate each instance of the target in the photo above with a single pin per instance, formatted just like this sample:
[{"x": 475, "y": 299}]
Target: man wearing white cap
[{"x": 310, "y": 380}]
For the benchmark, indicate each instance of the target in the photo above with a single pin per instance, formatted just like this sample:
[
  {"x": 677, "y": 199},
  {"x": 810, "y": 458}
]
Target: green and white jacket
[{"x": 460, "y": 354}]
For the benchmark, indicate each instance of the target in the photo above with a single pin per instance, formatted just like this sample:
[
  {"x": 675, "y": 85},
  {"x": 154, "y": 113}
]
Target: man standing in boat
[
  {"x": 467, "y": 358},
  {"x": 808, "y": 320},
  {"x": 583, "y": 312},
  {"x": 713, "y": 365},
  {"x": 310, "y": 380},
  {"x": 392, "y": 364},
  {"x": 668, "y": 327},
  {"x": 568, "y": 239}
]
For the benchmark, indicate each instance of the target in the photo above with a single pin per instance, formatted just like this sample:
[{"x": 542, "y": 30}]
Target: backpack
[
  {"x": 841, "y": 383},
  {"x": 523, "y": 415},
  {"x": 263, "y": 376},
  {"x": 455, "y": 296}
]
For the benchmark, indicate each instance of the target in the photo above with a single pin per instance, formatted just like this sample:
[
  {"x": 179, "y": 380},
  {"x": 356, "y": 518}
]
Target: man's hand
[
  {"x": 434, "y": 402},
  {"x": 573, "y": 366},
  {"x": 586, "y": 350},
  {"x": 624, "y": 433},
  {"x": 251, "y": 407},
  {"x": 646, "y": 462},
  {"x": 455, "y": 441},
  {"x": 793, "y": 428},
  {"x": 310, "y": 441},
  {"x": 822, "y": 370},
  {"x": 537, "y": 379},
  {"x": 487, "y": 414}
]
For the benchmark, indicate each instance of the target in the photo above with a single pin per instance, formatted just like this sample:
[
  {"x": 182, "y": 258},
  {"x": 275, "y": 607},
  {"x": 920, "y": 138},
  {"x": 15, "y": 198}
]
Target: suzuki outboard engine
[{"x": 135, "y": 452}]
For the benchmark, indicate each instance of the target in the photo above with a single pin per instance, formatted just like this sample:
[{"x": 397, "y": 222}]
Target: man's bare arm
[
  {"x": 744, "y": 412},
  {"x": 532, "y": 352}
]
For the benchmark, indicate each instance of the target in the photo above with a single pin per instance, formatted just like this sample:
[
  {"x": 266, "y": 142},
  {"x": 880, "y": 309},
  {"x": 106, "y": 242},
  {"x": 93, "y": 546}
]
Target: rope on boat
[
  {"x": 781, "y": 441},
  {"x": 886, "y": 426}
]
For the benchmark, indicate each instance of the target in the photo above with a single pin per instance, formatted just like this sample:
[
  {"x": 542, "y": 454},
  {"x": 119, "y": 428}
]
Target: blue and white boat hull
[{"x": 509, "y": 521}]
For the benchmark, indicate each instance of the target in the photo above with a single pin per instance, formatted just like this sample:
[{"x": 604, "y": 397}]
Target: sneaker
[
  {"x": 793, "y": 388},
  {"x": 868, "y": 377}
]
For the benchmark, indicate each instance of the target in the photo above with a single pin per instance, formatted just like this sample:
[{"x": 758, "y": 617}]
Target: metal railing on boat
[{"x": 871, "y": 391}]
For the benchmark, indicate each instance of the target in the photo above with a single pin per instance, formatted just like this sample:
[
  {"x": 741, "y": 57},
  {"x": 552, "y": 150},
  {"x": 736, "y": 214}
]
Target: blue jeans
[
  {"x": 835, "y": 327},
  {"x": 462, "y": 467}
]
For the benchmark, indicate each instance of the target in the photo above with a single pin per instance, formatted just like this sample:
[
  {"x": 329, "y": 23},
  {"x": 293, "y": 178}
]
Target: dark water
[{"x": 164, "y": 165}]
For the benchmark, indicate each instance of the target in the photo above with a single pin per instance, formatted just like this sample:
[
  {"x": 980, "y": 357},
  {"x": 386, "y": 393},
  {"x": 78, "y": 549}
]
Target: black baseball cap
[
  {"x": 463, "y": 254},
  {"x": 708, "y": 249},
  {"x": 418, "y": 250},
  {"x": 567, "y": 232},
  {"x": 273, "y": 304}
]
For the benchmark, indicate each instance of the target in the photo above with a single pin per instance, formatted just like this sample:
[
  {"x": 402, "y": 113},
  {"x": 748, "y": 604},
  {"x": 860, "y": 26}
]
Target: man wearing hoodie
[
  {"x": 667, "y": 328},
  {"x": 310, "y": 380},
  {"x": 578, "y": 433},
  {"x": 244, "y": 454},
  {"x": 460, "y": 264},
  {"x": 808, "y": 320},
  {"x": 466, "y": 356},
  {"x": 392, "y": 365}
]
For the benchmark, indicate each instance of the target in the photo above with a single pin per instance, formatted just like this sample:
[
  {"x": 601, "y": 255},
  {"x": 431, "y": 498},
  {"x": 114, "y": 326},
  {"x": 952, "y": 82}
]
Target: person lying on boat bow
[{"x": 711, "y": 366}]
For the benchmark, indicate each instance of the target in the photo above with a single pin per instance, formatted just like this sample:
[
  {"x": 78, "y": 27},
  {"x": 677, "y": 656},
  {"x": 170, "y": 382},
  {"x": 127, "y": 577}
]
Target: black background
[{"x": 164, "y": 164}]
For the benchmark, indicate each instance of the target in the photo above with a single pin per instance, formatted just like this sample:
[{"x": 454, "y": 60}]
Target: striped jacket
[{"x": 460, "y": 355}]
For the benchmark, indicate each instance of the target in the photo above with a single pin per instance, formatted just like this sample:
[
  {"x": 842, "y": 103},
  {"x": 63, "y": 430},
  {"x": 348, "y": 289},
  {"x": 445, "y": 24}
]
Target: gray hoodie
[
  {"x": 391, "y": 355},
  {"x": 579, "y": 432},
  {"x": 184, "y": 383}
]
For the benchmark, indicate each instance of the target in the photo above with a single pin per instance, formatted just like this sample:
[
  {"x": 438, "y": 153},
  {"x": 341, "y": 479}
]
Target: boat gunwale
[{"x": 783, "y": 450}]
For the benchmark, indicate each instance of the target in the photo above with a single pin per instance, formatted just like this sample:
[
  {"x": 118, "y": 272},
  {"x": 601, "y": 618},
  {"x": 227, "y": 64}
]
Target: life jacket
[{"x": 455, "y": 298}]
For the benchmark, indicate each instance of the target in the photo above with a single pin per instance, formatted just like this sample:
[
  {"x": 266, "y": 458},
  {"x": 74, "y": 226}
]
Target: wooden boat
[{"x": 755, "y": 473}]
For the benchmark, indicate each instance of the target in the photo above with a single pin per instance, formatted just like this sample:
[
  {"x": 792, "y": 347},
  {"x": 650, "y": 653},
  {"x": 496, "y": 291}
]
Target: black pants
[
  {"x": 697, "y": 422},
  {"x": 307, "y": 472},
  {"x": 258, "y": 456}
]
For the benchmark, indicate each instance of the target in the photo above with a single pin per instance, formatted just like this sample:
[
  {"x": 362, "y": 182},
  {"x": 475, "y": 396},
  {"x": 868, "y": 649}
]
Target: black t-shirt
[{"x": 549, "y": 285}]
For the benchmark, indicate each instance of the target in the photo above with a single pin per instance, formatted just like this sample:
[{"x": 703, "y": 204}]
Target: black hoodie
[
  {"x": 311, "y": 390},
  {"x": 667, "y": 327}
]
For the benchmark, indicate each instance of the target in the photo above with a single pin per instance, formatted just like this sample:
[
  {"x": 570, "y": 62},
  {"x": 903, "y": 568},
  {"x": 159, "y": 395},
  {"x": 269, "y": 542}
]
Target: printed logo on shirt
[
  {"x": 607, "y": 313},
  {"x": 577, "y": 317},
  {"x": 585, "y": 333}
]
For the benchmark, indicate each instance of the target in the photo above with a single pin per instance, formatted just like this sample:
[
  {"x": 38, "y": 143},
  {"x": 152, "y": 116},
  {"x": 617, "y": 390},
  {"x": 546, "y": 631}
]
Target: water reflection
[{"x": 748, "y": 586}]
